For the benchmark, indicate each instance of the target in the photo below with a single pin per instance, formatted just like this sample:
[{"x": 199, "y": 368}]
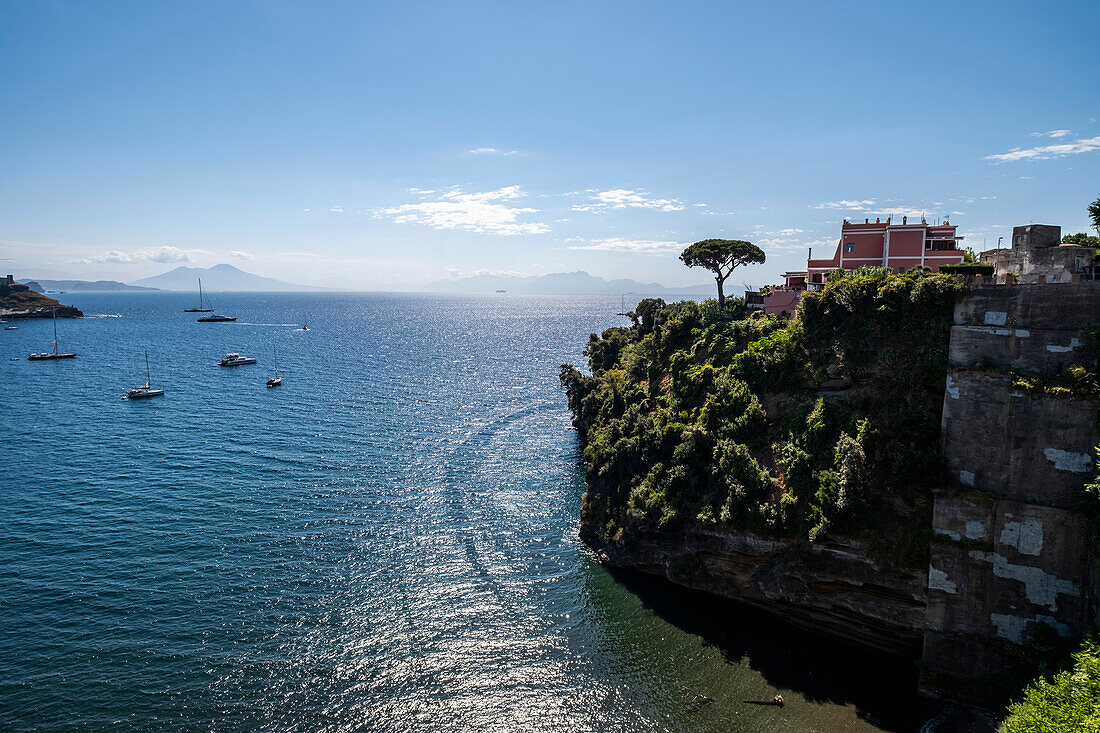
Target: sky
[{"x": 385, "y": 145}]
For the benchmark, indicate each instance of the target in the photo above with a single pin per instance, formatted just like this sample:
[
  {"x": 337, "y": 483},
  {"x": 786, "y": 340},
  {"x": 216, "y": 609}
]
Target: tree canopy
[
  {"x": 722, "y": 257},
  {"x": 1094, "y": 214}
]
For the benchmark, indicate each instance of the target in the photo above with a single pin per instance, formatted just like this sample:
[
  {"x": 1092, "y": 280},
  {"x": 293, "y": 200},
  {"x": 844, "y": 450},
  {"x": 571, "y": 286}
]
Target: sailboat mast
[
  {"x": 200, "y": 292},
  {"x": 54, "y": 311},
  {"x": 147, "y": 367},
  {"x": 276, "y": 358}
]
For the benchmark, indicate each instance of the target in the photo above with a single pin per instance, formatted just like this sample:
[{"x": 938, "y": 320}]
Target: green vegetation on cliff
[
  {"x": 697, "y": 416},
  {"x": 1068, "y": 701}
]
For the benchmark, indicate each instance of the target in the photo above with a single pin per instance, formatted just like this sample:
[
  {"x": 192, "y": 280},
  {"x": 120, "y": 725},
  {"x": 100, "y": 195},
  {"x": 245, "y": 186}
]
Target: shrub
[{"x": 1068, "y": 701}]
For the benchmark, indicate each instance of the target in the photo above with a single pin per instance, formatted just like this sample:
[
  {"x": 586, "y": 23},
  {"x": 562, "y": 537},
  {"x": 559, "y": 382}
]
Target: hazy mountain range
[
  {"x": 75, "y": 286},
  {"x": 227, "y": 278},
  {"x": 561, "y": 283},
  {"x": 219, "y": 277}
]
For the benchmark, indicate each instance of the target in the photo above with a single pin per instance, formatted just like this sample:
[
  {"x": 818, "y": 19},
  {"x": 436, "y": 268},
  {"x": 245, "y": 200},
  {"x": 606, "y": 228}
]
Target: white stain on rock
[
  {"x": 975, "y": 529},
  {"x": 996, "y": 318},
  {"x": 1065, "y": 460},
  {"x": 1062, "y": 629},
  {"x": 938, "y": 580},
  {"x": 951, "y": 388},
  {"x": 947, "y": 533},
  {"x": 1041, "y": 587},
  {"x": 1074, "y": 344},
  {"x": 1009, "y": 627},
  {"x": 966, "y": 478},
  {"x": 1025, "y": 536}
]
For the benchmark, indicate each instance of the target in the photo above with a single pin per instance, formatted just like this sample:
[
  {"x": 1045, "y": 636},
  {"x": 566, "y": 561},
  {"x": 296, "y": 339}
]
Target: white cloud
[
  {"x": 1045, "y": 152},
  {"x": 456, "y": 274},
  {"x": 637, "y": 246},
  {"x": 491, "y": 151},
  {"x": 337, "y": 209},
  {"x": 154, "y": 254},
  {"x": 854, "y": 205},
  {"x": 485, "y": 212},
  {"x": 622, "y": 198},
  {"x": 1052, "y": 133},
  {"x": 242, "y": 255}
]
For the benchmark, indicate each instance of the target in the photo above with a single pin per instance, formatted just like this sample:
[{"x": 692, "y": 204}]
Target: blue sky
[{"x": 375, "y": 145}]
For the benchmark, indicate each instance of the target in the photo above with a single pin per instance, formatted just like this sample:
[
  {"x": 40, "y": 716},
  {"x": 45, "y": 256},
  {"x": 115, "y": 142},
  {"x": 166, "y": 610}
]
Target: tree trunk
[{"x": 721, "y": 295}]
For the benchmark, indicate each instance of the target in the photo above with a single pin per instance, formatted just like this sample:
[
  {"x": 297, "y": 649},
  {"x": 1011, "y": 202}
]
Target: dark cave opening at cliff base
[{"x": 820, "y": 668}]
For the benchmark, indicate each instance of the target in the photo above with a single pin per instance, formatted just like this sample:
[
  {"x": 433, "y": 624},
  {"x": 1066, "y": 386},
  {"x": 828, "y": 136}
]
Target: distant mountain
[
  {"x": 219, "y": 277},
  {"x": 76, "y": 286},
  {"x": 562, "y": 283}
]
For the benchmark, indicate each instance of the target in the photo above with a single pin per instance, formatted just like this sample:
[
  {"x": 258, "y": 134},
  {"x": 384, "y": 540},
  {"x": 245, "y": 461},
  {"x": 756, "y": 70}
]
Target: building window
[{"x": 849, "y": 248}]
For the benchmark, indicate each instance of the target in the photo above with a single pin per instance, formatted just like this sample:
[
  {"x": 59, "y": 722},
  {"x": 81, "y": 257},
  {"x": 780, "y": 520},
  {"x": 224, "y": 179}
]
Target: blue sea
[{"x": 388, "y": 541}]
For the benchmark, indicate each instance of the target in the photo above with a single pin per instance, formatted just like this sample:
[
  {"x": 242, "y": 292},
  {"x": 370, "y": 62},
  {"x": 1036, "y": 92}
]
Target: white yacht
[{"x": 234, "y": 359}]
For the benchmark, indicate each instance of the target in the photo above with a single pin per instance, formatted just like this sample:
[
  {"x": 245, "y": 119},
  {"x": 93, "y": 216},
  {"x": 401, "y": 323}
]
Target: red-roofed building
[{"x": 901, "y": 247}]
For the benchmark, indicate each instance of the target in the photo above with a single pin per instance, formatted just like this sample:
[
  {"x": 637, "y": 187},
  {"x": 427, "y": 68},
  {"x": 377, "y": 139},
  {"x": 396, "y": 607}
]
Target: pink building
[
  {"x": 783, "y": 299},
  {"x": 901, "y": 247}
]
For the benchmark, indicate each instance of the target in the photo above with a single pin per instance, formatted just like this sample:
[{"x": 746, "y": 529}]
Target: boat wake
[{"x": 104, "y": 315}]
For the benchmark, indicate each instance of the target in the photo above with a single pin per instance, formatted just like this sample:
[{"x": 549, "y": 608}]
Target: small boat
[
  {"x": 276, "y": 380},
  {"x": 234, "y": 359},
  {"x": 214, "y": 318},
  {"x": 303, "y": 328},
  {"x": 11, "y": 328},
  {"x": 200, "y": 309},
  {"x": 138, "y": 393},
  {"x": 55, "y": 354}
]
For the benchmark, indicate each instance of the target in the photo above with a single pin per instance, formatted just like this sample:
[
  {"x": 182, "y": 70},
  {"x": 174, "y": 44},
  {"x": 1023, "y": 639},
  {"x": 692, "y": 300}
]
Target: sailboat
[
  {"x": 55, "y": 354},
  {"x": 146, "y": 391},
  {"x": 214, "y": 317},
  {"x": 276, "y": 380},
  {"x": 200, "y": 309}
]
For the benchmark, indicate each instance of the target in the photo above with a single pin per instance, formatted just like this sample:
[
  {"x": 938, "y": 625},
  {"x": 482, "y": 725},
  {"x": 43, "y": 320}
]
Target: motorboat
[
  {"x": 234, "y": 359},
  {"x": 215, "y": 318}
]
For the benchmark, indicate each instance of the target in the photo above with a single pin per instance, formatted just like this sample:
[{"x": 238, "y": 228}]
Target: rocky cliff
[
  {"x": 904, "y": 467},
  {"x": 20, "y": 301},
  {"x": 831, "y": 587}
]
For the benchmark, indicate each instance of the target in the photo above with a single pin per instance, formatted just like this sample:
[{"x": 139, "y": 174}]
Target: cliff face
[
  {"x": 909, "y": 466},
  {"x": 20, "y": 301},
  {"x": 787, "y": 465},
  {"x": 830, "y": 587}
]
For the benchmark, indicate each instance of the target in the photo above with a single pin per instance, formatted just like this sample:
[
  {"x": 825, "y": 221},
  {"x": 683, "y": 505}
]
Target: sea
[{"x": 387, "y": 541}]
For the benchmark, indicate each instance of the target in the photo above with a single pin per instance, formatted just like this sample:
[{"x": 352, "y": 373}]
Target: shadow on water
[{"x": 882, "y": 688}]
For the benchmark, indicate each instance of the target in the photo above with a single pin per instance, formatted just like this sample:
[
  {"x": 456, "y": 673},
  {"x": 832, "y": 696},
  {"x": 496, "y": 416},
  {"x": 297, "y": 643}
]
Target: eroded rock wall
[
  {"x": 831, "y": 588},
  {"x": 1011, "y": 553}
]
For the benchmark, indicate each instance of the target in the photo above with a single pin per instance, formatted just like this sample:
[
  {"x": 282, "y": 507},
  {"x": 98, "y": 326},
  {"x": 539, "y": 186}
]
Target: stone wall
[
  {"x": 1011, "y": 552},
  {"x": 1066, "y": 263}
]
